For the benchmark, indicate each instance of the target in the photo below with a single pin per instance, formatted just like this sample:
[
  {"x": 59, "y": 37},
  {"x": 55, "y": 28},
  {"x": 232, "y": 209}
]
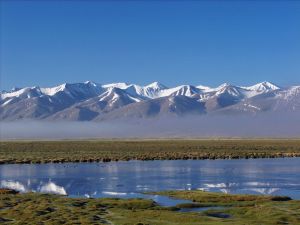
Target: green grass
[
  {"x": 34, "y": 208},
  {"x": 114, "y": 150}
]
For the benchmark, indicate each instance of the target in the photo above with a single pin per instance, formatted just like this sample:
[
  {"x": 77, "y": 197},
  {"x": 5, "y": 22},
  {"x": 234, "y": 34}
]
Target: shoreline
[
  {"x": 29, "y": 152},
  {"x": 107, "y": 160}
]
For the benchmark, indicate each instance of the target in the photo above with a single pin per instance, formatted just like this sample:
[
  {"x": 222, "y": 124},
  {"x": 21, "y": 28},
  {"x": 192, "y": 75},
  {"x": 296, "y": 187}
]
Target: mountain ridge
[{"x": 93, "y": 101}]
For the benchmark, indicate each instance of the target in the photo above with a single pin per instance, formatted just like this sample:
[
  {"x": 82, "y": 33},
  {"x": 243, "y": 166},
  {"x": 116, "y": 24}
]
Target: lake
[{"x": 128, "y": 179}]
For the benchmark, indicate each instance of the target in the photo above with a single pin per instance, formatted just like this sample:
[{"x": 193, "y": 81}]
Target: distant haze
[{"x": 260, "y": 126}]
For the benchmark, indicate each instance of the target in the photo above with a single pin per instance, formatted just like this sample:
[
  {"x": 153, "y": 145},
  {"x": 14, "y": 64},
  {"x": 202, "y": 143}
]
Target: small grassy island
[
  {"x": 114, "y": 150},
  {"x": 38, "y": 208}
]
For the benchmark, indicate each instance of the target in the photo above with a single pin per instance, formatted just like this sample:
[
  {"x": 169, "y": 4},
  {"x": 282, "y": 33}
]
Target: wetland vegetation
[
  {"x": 114, "y": 150},
  {"x": 236, "y": 210}
]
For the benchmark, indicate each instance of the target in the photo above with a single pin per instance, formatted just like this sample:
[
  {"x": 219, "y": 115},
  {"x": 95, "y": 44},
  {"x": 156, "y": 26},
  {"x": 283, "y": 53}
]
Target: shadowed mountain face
[
  {"x": 94, "y": 102},
  {"x": 170, "y": 106}
]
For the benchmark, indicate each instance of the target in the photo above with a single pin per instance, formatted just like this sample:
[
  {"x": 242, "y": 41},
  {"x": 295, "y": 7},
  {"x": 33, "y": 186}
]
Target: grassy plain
[
  {"x": 34, "y": 208},
  {"x": 114, "y": 150}
]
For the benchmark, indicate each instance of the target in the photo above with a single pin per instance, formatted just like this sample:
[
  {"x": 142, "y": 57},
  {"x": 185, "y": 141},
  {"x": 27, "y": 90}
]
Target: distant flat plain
[{"x": 33, "y": 151}]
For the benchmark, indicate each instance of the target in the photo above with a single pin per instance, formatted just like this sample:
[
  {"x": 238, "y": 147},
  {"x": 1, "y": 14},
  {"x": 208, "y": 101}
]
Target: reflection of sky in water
[{"x": 255, "y": 176}]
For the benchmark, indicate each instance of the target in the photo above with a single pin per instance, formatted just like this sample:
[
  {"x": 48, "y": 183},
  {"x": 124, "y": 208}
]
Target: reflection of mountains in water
[
  {"x": 247, "y": 187},
  {"x": 48, "y": 187},
  {"x": 73, "y": 188},
  {"x": 265, "y": 191}
]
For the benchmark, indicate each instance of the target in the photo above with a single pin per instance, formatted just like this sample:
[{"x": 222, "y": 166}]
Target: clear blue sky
[{"x": 241, "y": 42}]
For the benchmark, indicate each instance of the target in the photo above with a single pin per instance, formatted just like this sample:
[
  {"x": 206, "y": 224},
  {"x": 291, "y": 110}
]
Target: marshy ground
[
  {"x": 34, "y": 208},
  {"x": 114, "y": 150}
]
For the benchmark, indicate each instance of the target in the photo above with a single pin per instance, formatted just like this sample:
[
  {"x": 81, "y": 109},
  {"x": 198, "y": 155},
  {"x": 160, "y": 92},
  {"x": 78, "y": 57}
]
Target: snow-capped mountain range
[{"x": 91, "y": 101}]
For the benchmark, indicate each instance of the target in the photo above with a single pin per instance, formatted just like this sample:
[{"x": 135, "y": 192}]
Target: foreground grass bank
[
  {"x": 33, "y": 208},
  {"x": 114, "y": 150}
]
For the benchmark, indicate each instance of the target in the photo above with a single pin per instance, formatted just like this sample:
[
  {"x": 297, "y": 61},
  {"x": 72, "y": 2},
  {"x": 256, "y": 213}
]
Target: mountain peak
[
  {"x": 202, "y": 87},
  {"x": 224, "y": 85},
  {"x": 156, "y": 85},
  {"x": 229, "y": 89},
  {"x": 264, "y": 86},
  {"x": 269, "y": 84},
  {"x": 92, "y": 84},
  {"x": 121, "y": 85}
]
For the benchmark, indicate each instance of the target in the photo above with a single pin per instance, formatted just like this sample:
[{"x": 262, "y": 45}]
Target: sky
[{"x": 45, "y": 43}]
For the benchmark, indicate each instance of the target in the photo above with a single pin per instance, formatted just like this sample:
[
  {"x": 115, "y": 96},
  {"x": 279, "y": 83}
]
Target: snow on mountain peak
[
  {"x": 224, "y": 85},
  {"x": 87, "y": 88},
  {"x": 156, "y": 85},
  {"x": 95, "y": 99},
  {"x": 28, "y": 92},
  {"x": 91, "y": 83},
  {"x": 229, "y": 89},
  {"x": 53, "y": 90},
  {"x": 202, "y": 87},
  {"x": 150, "y": 91},
  {"x": 263, "y": 87},
  {"x": 121, "y": 85}
]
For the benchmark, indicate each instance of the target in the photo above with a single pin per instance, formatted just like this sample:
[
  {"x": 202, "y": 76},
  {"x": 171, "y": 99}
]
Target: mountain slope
[
  {"x": 170, "y": 106},
  {"x": 112, "y": 99}
]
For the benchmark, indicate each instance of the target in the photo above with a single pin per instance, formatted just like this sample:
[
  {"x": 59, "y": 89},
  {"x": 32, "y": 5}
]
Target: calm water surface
[{"x": 130, "y": 179}]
